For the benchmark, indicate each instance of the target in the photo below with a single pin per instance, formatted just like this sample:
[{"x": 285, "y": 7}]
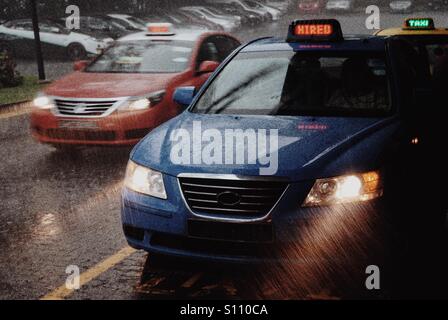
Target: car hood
[
  {"x": 307, "y": 147},
  {"x": 107, "y": 85}
]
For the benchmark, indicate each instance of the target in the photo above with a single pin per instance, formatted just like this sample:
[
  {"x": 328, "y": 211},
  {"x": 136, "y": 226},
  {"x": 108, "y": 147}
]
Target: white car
[
  {"x": 227, "y": 25},
  {"x": 55, "y": 38},
  {"x": 274, "y": 13},
  {"x": 129, "y": 20},
  {"x": 281, "y": 5},
  {"x": 401, "y": 6},
  {"x": 340, "y": 5}
]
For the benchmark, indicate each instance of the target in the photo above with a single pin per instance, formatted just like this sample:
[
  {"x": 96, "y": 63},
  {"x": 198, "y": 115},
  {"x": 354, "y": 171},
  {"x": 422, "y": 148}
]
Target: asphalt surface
[{"x": 58, "y": 210}]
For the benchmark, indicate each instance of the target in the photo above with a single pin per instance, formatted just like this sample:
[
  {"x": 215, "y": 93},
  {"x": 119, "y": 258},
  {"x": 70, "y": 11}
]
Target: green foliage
[{"x": 26, "y": 91}]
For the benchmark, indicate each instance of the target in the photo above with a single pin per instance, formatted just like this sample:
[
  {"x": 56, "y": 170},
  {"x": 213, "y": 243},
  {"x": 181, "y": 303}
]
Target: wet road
[{"x": 58, "y": 210}]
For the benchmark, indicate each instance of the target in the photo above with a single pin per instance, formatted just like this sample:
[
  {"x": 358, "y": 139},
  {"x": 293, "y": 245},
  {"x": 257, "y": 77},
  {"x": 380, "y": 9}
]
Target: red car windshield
[{"x": 144, "y": 57}]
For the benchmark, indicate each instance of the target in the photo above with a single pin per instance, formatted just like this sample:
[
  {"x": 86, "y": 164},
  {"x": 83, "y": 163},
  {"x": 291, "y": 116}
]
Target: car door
[{"x": 53, "y": 35}]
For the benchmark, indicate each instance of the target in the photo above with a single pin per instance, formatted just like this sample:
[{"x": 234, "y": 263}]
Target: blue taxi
[{"x": 291, "y": 141}]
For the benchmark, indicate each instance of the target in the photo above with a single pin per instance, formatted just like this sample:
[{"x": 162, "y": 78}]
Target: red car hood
[{"x": 107, "y": 85}]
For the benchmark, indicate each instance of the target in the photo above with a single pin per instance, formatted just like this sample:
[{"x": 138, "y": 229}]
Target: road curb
[{"x": 14, "y": 104}]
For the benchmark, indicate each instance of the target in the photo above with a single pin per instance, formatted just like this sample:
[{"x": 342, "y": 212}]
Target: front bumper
[
  {"x": 123, "y": 129},
  {"x": 168, "y": 227}
]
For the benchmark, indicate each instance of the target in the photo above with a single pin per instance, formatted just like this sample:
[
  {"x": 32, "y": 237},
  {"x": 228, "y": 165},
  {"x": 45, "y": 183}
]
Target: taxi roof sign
[
  {"x": 419, "y": 24},
  {"x": 315, "y": 30},
  {"x": 160, "y": 29}
]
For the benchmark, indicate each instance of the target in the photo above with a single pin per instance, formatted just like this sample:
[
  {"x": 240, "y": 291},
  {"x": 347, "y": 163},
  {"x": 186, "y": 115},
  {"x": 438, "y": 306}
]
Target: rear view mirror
[
  {"x": 184, "y": 96},
  {"x": 208, "y": 67},
  {"x": 80, "y": 65}
]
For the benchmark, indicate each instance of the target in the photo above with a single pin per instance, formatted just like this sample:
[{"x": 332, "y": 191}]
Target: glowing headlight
[
  {"x": 350, "y": 188},
  {"x": 143, "y": 103},
  {"x": 43, "y": 102},
  {"x": 145, "y": 180},
  {"x": 140, "y": 104}
]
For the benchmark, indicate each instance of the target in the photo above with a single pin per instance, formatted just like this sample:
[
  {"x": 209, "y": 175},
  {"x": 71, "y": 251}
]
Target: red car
[
  {"x": 310, "y": 6},
  {"x": 127, "y": 91}
]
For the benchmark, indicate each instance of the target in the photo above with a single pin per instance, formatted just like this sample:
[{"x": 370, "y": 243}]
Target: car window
[
  {"x": 216, "y": 48},
  {"x": 45, "y": 27},
  {"x": 285, "y": 83},
  {"x": 207, "y": 52},
  {"x": 97, "y": 24},
  {"x": 144, "y": 57},
  {"x": 23, "y": 25}
]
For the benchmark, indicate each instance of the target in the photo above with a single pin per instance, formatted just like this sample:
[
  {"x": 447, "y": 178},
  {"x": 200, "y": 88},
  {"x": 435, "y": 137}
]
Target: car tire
[{"x": 76, "y": 51}]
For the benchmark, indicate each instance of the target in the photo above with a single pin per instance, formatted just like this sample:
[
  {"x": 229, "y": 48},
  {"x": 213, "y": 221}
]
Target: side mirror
[
  {"x": 184, "y": 96},
  {"x": 208, "y": 67},
  {"x": 80, "y": 65}
]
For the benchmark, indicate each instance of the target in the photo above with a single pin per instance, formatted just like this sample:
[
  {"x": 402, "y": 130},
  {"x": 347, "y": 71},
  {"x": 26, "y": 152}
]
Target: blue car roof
[{"x": 350, "y": 43}]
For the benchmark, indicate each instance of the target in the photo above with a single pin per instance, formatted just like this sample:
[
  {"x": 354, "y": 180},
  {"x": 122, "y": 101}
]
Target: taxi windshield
[
  {"x": 296, "y": 84},
  {"x": 148, "y": 56}
]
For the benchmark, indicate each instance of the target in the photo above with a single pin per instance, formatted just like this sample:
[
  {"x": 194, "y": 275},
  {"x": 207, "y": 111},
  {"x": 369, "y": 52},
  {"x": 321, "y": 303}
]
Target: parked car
[
  {"x": 437, "y": 4},
  {"x": 226, "y": 24},
  {"x": 249, "y": 18},
  {"x": 178, "y": 21},
  {"x": 310, "y": 6},
  {"x": 273, "y": 13},
  {"x": 128, "y": 20},
  {"x": 102, "y": 26},
  {"x": 340, "y": 5},
  {"x": 401, "y": 6},
  {"x": 282, "y": 5},
  {"x": 56, "y": 39},
  {"x": 241, "y": 5},
  {"x": 196, "y": 18},
  {"x": 127, "y": 91},
  {"x": 238, "y": 20}
]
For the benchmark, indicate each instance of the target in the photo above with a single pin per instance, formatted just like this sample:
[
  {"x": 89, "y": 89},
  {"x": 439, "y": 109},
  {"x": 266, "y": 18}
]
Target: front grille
[
  {"x": 64, "y": 134},
  {"x": 248, "y": 199},
  {"x": 84, "y": 108}
]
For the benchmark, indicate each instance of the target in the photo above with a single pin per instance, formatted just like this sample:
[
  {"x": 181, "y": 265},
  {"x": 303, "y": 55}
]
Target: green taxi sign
[{"x": 419, "y": 24}]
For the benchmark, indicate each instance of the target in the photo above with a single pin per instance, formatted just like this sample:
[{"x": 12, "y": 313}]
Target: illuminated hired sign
[{"x": 315, "y": 31}]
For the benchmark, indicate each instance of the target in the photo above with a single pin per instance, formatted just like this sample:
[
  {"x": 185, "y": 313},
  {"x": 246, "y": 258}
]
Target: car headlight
[
  {"x": 143, "y": 103},
  {"x": 144, "y": 180},
  {"x": 43, "y": 102},
  {"x": 344, "y": 189}
]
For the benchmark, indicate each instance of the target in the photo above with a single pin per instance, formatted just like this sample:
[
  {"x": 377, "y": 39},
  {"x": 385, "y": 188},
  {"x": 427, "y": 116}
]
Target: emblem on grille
[
  {"x": 80, "y": 108},
  {"x": 229, "y": 198}
]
